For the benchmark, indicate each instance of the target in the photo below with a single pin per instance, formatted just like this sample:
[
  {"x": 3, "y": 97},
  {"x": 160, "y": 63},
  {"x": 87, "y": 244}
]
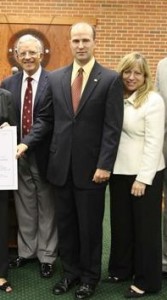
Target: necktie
[
  {"x": 27, "y": 108},
  {"x": 76, "y": 89}
]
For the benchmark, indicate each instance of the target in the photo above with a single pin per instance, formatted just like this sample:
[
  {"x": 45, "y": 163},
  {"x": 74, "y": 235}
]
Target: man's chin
[
  {"x": 29, "y": 69},
  {"x": 83, "y": 60}
]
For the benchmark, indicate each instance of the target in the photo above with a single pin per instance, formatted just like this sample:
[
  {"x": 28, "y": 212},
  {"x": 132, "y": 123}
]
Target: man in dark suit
[
  {"x": 7, "y": 117},
  {"x": 35, "y": 204},
  {"x": 82, "y": 154},
  {"x": 161, "y": 86}
]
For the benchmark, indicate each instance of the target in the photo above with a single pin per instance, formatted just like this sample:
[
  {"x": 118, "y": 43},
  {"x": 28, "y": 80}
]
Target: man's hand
[
  {"x": 3, "y": 125},
  {"x": 138, "y": 188},
  {"x": 101, "y": 176},
  {"x": 21, "y": 148}
]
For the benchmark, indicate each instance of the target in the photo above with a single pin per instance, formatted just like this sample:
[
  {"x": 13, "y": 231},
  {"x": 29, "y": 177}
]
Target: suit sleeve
[
  {"x": 159, "y": 83},
  {"x": 154, "y": 136},
  {"x": 113, "y": 121},
  {"x": 7, "y": 108},
  {"x": 11, "y": 111}
]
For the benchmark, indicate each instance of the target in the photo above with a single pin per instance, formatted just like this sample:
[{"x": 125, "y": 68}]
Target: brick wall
[{"x": 122, "y": 25}]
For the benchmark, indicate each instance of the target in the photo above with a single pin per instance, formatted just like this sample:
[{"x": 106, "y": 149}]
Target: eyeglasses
[
  {"x": 136, "y": 74},
  {"x": 28, "y": 53}
]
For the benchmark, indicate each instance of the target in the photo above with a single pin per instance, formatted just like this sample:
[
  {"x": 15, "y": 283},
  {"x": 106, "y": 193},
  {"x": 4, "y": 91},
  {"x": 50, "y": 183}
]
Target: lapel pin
[{"x": 95, "y": 80}]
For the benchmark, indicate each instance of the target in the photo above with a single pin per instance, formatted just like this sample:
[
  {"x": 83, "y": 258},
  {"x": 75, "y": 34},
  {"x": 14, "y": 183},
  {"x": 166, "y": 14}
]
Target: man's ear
[
  {"x": 16, "y": 56},
  {"x": 41, "y": 56}
]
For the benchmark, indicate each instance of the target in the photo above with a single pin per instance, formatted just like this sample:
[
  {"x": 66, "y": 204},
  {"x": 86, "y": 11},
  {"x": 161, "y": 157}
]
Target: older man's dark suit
[
  {"x": 80, "y": 144},
  {"x": 34, "y": 200},
  {"x": 13, "y": 84}
]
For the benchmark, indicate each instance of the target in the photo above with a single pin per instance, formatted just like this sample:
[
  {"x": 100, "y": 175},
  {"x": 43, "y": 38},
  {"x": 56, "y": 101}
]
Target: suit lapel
[
  {"x": 17, "y": 93},
  {"x": 41, "y": 86},
  {"x": 93, "y": 81},
  {"x": 66, "y": 82}
]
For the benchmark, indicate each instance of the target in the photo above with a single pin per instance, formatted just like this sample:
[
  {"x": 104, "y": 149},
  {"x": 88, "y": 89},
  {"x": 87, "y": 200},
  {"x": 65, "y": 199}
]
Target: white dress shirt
[{"x": 86, "y": 71}]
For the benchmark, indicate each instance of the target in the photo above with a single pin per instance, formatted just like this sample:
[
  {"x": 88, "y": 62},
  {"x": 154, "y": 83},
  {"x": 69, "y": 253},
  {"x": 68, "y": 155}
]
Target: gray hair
[{"x": 29, "y": 37}]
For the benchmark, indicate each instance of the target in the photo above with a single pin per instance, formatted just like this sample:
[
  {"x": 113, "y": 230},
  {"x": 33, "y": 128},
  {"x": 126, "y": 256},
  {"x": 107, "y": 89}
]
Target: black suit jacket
[
  {"x": 85, "y": 141},
  {"x": 13, "y": 84},
  {"x": 7, "y": 109}
]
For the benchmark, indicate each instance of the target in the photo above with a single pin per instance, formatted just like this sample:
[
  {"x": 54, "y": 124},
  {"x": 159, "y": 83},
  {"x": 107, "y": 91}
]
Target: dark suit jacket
[
  {"x": 13, "y": 84},
  {"x": 87, "y": 140},
  {"x": 7, "y": 114},
  {"x": 7, "y": 109}
]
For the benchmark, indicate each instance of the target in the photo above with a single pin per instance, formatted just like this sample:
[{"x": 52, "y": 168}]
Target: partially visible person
[
  {"x": 34, "y": 200},
  {"x": 7, "y": 117},
  {"x": 161, "y": 85},
  {"x": 82, "y": 155},
  {"x": 136, "y": 185},
  {"x": 14, "y": 70}
]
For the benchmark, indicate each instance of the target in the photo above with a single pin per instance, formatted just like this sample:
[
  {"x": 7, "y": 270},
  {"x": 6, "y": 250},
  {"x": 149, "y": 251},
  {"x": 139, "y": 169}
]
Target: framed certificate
[{"x": 8, "y": 161}]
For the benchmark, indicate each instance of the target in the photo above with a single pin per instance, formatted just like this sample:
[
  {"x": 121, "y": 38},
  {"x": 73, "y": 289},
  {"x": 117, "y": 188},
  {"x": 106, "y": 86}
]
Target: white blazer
[{"x": 141, "y": 142}]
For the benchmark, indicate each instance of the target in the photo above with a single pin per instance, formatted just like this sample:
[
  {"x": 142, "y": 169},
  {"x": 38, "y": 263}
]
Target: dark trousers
[
  {"x": 79, "y": 219},
  {"x": 4, "y": 259},
  {"x": 136, "y": 232}
]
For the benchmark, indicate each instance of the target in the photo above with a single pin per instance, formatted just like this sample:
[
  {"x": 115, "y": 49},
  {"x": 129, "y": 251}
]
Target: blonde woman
[{"x": 136, "y": 185}]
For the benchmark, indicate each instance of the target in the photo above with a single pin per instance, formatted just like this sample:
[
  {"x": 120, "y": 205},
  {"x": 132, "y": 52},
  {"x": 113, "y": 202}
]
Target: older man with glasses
[{"x": 35, "y": 205}]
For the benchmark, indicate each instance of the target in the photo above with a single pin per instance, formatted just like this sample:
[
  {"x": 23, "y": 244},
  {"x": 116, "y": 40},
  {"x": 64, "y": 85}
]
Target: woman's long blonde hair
[{"x": 128, "y": 62}]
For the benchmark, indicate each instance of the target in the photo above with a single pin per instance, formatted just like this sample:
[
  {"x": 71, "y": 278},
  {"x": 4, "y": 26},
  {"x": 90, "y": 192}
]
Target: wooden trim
[{"x": 55, "y": 20}]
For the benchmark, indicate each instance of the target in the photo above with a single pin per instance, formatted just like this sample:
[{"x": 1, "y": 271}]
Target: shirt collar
[
  {"x": 131, "y": 98},
  {"x": 87, "y": 68},
  {"x": 35, "y": 76}
]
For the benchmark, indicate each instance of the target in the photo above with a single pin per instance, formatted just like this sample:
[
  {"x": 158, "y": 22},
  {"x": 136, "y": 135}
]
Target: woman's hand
[{"x": 138, "y": 188}]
